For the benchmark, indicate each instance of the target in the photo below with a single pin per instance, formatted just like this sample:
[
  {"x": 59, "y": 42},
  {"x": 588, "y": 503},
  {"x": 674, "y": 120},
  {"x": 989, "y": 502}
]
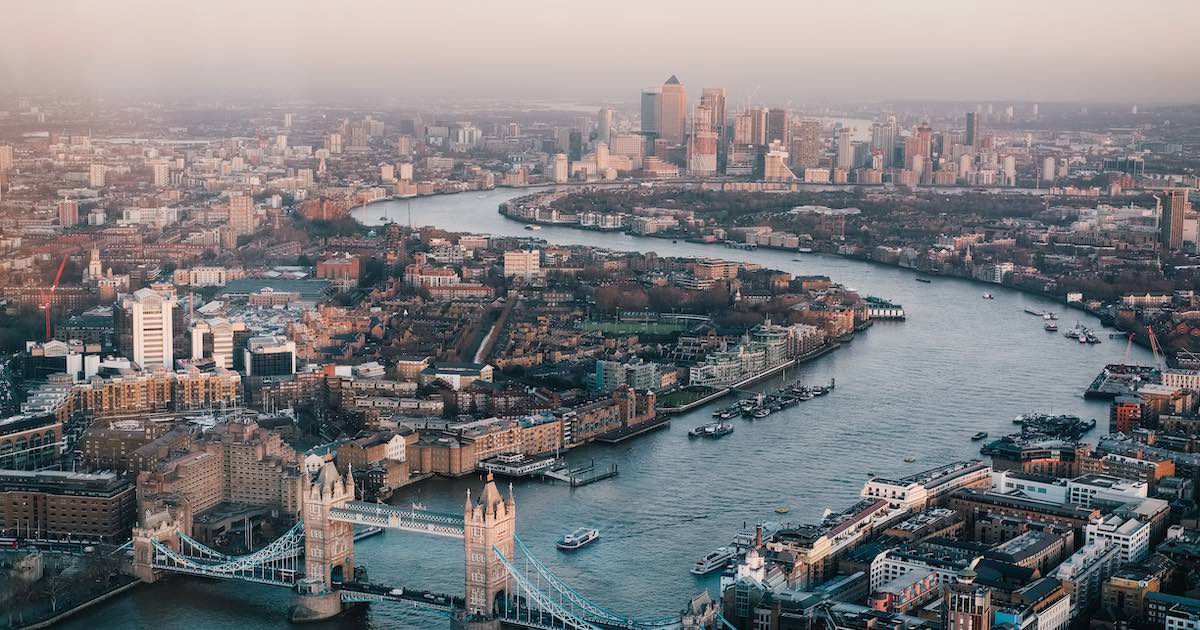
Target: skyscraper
[
  {"x": 575, "y": 145},
  {"x": 758, "y": 126},
  {"x": 743, "y": 129},
  {"x": 241, "y": 214},
  {"x": 779, "y": 126},
  {"x": 807, "y": 145},
  {"x": 160, "y": 173},
  {"x": 145, "y": 327},
  {"x": 714, "y": 100},
  {"x": 6, "y": 158},
  {"x": 883, "y": 140},
  {"x": 845, "y": 149},
  {"x": 1048, "y": 164},
  {"x": 96, "y": 175},
  {"x": 604, "y": 124},
  {"x": 672, "y": 115},
  {"x": 972, "y": 129},
  {"x": 1171, "y": 223},
  {"x": 651, "y": 104},
  {"x": 702, "y": 145}
]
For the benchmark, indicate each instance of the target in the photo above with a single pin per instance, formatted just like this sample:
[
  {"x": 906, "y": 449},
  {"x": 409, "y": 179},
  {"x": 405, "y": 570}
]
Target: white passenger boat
[
  {"x": 714, "y": 560},
  {"x": 578, "y": 538}
]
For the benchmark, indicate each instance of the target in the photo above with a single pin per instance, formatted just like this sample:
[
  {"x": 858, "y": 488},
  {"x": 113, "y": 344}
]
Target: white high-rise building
[
  {"x": 147, "y": 320},
  {"x": 6, "y": 158},
  {"x": 559, "y": 168},
  {"x": 162, "y": 173},
  {"x": 604, "y": 124},
  {"x": 1048, "y": 169},
  {"x": 96, "y": 175},
  {"x": 845, "y": 150}
]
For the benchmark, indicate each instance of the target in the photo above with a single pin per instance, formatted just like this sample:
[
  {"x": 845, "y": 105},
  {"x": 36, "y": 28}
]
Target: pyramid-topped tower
[{"x": 489, "y": 525}]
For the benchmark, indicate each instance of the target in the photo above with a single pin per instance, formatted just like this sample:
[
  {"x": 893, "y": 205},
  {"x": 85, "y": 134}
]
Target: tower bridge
[{"x": 504, "y": 583}]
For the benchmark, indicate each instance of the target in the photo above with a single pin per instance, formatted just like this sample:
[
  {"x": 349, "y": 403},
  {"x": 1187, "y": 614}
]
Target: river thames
[{"x": 915, "y": 389}]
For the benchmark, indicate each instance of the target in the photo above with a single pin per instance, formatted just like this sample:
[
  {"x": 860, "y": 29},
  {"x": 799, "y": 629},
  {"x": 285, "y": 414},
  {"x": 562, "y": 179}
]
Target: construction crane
[
  {"x": 47, "y": 298},
  {"x": 1155, "y": 348}
]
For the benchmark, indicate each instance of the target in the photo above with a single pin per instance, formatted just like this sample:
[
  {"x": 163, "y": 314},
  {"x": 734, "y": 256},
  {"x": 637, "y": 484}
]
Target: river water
[{"x": 915, "y": 389}]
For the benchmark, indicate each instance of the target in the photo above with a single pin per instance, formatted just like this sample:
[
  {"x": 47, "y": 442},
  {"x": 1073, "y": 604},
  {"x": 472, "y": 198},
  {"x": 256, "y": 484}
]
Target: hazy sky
[{"x": 1022, "y": 50}]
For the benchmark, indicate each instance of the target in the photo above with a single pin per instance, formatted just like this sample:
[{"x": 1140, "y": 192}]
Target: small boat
[
  {"x": 806, "y": 395},
  {"x": 1052, "y": 315},
  {"x": 712, "y": 430},
  {"x": 714, "y": 560},
  {"x": 797, "y": 260},
  {"x": 761, "y": 412},
  {"x": 578, "y": 538},
  {"x": 925, "y": 280},
  {"x": 783, "y": 509},
  {"x": 910, "y": 459},
  {"x": 988, "y": 296},
  {"x": 979, "y": 436},
  {"x": 1050, "y": 326},
  {"x": 419, "y": 506},
  {"x": 533, "y": 227}
]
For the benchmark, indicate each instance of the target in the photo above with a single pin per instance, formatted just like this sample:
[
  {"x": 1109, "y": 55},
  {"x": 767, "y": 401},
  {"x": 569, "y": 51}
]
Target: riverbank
[
  {"x": 1105, "y": 317},
  {"x": 721, "y": 393},
  {"x": 99, "y": 599}
]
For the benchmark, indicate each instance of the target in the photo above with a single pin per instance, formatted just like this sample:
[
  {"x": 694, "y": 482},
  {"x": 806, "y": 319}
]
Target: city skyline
[
  {"x": 1025, "y": 52},
  {"x": 625, "y": 315}
]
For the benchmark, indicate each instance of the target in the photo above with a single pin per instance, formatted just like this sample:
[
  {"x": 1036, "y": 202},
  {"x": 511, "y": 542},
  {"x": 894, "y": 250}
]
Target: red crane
[
  {"x": 46, "y": 299},
  {"x": 1157, "y": 349}
]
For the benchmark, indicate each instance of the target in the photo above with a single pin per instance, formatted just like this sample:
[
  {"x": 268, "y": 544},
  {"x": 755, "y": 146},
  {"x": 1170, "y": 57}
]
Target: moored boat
[
  {"x": 979, "y": 436},
  {"x": 714, "y": 560},
  {"x": 712, "y": 430}
]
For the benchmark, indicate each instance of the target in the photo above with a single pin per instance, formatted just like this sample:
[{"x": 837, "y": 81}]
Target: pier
[
  {"x": 515, "y": 465},
  {"x": 582, "y": 475}
]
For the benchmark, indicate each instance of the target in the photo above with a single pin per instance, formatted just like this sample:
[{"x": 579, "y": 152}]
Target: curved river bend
[{"x": 916, "y": 389}]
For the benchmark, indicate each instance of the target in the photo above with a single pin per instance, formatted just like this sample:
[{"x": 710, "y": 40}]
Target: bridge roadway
[
  {"x": 428, "y": 600},
  {"x": 393, "y": 517}
]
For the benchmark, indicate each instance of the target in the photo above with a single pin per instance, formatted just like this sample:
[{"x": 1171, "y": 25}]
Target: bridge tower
[
  {"x": 328, "y": 546},
  {"x": 488, "y": 522},
  {"x": 158, "y": 523}
]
